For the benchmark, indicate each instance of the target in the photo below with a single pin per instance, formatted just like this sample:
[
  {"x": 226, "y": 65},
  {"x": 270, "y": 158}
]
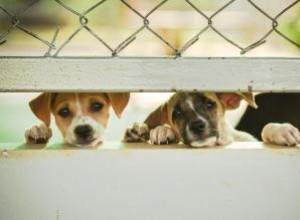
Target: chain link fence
[{"x": 54, "y": 50}]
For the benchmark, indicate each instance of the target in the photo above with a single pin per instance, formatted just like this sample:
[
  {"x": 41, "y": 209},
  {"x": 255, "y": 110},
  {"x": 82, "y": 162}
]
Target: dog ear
[
  {"x": 232, "y": 100},
  {"x": 41, "y": 107},
  {"x": 118, "y": 101},
  {"x": 158, "y": 117}
]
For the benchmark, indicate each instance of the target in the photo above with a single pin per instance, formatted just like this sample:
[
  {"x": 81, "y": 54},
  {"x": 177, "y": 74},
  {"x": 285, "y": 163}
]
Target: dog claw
[
  {"x": 162, "y": 135},
  {"x": 38, "y": 134},
  {"x": 281, "y": 134},
  {"x": 136, "y": 134}
]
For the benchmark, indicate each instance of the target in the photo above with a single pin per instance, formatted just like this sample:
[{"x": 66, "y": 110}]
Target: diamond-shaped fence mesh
[{"x": 54, "y": 50}]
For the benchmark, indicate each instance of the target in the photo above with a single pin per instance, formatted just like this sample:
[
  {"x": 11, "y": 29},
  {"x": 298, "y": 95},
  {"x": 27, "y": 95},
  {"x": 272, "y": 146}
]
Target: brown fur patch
[{"x": 83, "y": 101}]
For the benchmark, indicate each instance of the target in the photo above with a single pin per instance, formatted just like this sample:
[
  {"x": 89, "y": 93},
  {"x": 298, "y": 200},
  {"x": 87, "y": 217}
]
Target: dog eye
[
  {"x": 177, "y": 114},
  {"x": 96, "y": 106},
  {"x": 64, "y": 112},
  {"x": 209, "y": 105}
]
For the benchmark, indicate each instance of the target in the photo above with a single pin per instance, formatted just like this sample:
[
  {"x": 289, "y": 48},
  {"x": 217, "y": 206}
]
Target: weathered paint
[
  {"x": 243, "y": 181},
  {"x": 149, "y": 74}
]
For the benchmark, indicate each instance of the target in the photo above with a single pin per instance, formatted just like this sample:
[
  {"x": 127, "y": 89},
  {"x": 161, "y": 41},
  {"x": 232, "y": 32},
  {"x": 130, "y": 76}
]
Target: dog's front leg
[
  {"x": 38, "y": 134},
  {"x": 281, "y": 134},
  {"x": 163, "y": 134}
]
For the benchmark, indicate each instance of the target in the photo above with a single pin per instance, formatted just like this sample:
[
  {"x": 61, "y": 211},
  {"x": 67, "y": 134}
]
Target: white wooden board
[
  {"x": 149, "y": 74},
  {"x": 244, "y": 181}
]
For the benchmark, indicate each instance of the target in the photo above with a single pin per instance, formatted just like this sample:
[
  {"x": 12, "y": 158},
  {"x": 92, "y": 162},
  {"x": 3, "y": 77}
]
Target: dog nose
[
  {"x": 83, "y": 131},
  {"x": 198, "y": 126}
]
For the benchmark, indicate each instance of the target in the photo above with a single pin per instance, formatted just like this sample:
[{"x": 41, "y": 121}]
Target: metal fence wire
[{"x": 54, "y": 50}]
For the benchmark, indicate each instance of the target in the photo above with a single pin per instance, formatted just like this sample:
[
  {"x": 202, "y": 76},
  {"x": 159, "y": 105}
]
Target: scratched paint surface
[{"x": 140, "y": 183}]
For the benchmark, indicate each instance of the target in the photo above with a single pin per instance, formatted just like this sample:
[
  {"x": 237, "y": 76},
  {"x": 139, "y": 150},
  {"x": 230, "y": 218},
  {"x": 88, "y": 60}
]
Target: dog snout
[
  {"x": 83, "y": 131},
  {"x": 198, "y": 126}
]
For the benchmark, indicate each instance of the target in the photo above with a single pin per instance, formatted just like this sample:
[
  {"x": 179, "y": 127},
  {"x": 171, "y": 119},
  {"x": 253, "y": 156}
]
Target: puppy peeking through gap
[
  {"x": 81, "y": 117},
  {"x": 198, "y": 120}
]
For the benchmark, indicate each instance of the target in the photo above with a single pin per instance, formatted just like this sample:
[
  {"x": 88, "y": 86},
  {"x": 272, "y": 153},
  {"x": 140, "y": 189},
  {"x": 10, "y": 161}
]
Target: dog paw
[
  {"x": 281, "y": 134},
  {"x": 162, "y": 135},
  {"x": 138, "y": 133},
  {"x": 38, "y": 134}
]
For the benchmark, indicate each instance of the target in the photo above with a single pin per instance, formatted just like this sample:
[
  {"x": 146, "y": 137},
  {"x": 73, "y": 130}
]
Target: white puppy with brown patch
[
  {"x": 81, "y": 117},
  {"x": 198, "y": 120}
]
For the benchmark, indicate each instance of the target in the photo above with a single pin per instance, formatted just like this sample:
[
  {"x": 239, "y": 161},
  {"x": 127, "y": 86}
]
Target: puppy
[
  {"x": 81, "y": 117},
  {"x": 198, "y": 120}
]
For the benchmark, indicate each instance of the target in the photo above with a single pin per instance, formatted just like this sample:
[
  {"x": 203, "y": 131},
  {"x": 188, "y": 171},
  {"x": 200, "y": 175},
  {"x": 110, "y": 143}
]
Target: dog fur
[
  {"x": 81, "y": 117},
  {"x": 198, "y": 120}
]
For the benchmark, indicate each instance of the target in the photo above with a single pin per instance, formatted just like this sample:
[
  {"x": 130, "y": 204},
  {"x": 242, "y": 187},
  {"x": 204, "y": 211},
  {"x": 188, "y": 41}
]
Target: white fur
[
  {"x": 190, "y": 134},
  {"x": 191, "y": 105},
  {"x": 281, "y": 134},
  {"x": 208, "y": 142},
  {"x": 162, "y": 134},
  {"x": 80, "y": 119}
]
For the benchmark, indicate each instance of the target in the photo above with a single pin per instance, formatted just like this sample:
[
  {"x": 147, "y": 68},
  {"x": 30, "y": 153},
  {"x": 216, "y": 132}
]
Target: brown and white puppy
[
  {"x": 81, "y": 117},
  {"x": 198, "y": 120}
]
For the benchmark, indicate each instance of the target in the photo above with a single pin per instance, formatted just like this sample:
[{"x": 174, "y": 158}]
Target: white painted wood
[
  {"x": 149, "y": 74},
  {"x": 137, "y": 184}
]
